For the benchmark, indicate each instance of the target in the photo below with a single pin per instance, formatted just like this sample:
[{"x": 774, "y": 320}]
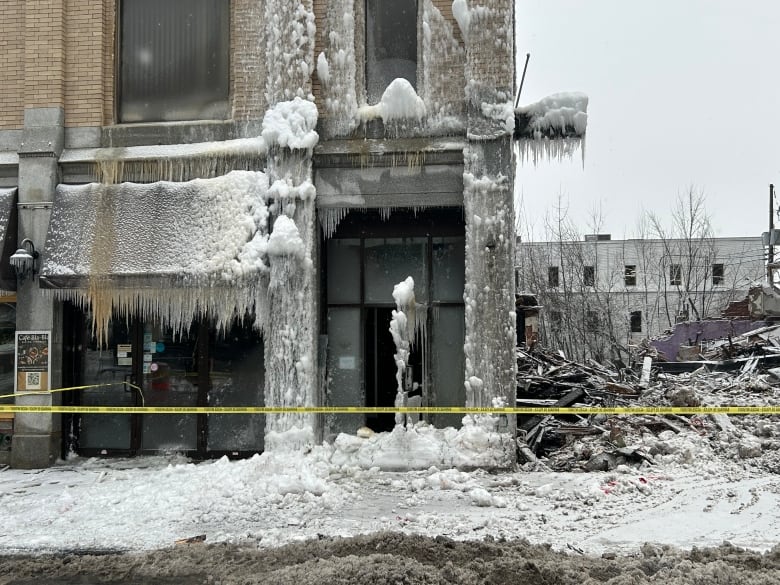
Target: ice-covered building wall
[
  {"x": 488, "y": 202},
  {"x": 443, "y": 76},
  {"x": 289, "y": 131},
  {"x": 336, "y": 70}
]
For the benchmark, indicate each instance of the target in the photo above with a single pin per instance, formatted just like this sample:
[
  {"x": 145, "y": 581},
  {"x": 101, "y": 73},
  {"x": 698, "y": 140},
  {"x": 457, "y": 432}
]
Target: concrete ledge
[
  {"x": 167, "y": 133},
  {"x": 83, "y": 137}
]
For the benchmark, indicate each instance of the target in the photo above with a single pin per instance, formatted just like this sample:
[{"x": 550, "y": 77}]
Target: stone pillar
[
  {"x": 489, "y": 206},
  {"x": 36, "y": 440},
  {"x": 37, "y": 437}
]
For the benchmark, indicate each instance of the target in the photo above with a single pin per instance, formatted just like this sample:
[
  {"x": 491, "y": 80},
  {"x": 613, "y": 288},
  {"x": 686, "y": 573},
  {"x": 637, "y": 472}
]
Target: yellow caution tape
[
  {"x": 683, "y": 410},
  {"x": 68, "y": 389}
]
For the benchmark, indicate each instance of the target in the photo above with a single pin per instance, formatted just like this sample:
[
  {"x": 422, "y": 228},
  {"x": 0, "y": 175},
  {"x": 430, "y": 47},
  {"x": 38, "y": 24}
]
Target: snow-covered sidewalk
[{"x": 273, "y": 499}]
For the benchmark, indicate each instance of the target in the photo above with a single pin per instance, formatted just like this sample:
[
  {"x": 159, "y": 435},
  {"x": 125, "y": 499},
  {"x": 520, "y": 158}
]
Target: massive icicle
[
  {"x": 488, "y": 205},
  {"x": 289, "y": 50},
  {"x": 175, "y": 162},
  {"x": 402, "y": 329}
]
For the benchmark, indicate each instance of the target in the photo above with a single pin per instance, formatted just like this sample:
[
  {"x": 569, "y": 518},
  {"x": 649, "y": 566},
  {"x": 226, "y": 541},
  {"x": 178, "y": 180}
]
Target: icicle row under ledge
[{"x": 171, "y": 306}]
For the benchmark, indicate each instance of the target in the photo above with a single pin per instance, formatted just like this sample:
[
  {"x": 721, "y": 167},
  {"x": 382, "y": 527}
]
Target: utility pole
[{"x": 771, "y": 254}]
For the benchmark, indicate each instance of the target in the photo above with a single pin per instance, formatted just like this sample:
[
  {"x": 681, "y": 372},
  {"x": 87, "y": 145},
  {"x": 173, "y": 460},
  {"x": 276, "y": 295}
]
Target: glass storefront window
[
  {"x": 170, "y": 378},
  {"x": 389, "y": 261},
  {"x": 449, "y": 265},
  {"x": 236, "y": 379},
  {"x": 344, "y": 271}
]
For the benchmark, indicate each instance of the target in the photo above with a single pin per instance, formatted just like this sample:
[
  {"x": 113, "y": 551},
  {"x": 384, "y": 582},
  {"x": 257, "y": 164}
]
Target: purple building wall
[{"x": 691, "y": 332}]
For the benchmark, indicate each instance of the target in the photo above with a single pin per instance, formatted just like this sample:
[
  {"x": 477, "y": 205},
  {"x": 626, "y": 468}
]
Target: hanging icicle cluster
[{"x": 166, "y": 251}]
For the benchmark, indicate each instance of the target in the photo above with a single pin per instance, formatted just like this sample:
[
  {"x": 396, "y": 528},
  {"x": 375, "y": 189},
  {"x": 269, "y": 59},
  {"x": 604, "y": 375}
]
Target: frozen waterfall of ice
[{"x": 402, "y": 327}]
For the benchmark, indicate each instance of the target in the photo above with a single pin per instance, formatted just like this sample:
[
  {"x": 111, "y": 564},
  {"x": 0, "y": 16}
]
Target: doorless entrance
[
  {"x": 196, "y": 367},
  {"x": 365, "y": 258}
]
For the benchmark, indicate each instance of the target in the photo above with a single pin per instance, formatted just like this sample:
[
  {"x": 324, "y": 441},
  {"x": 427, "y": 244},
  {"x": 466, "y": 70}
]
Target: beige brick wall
[
  {"x": 445, "y": 7},
  {"x": 247, "y": 66},
  {"x": 44, "y": 57},
  {"x": 109, "y": 60},
  {"x": 84, "y": 61},
  {"x": 12, "y": 66}
]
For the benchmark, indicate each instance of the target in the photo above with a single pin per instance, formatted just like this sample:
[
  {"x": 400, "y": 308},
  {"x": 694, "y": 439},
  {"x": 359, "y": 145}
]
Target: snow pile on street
[
  {"x": 476, "y": 444},
  {"x": 273, "y": 499},
  {"x": 291, "y": 124}
]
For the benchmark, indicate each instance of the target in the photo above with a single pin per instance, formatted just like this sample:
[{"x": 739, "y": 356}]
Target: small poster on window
[{"x": 32, "y": 360}]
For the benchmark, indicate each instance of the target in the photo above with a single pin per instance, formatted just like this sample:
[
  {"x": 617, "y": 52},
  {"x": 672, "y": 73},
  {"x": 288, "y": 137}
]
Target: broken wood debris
[{"x": 590, "y": 442}]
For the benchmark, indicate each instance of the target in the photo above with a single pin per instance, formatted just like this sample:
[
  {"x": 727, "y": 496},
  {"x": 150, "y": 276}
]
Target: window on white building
[
  {"x": 589, "y": 275},
  {"x": 391, "y": 44},
  {"x": 675, "y": 274},
  {"x": 635, "y": 319},
  {"x": 718, "y": 275},
  {"x": 174, "y": 60},
  {"x": 630, "y": 274},
  {"x": 552, "y": 277},
  {"x": 592, "y": 320}
]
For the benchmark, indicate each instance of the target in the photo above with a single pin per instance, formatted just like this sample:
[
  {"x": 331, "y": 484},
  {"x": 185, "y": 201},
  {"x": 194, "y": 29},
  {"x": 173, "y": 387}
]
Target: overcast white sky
[{"x": 682, "y": 92}]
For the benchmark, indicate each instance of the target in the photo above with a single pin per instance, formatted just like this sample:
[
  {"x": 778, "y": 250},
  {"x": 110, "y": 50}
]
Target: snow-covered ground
[{"x": 688, "y": 498}]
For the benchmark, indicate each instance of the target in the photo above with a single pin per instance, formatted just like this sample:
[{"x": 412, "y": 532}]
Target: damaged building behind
[
  {"x": 600, "y": 296},
  {"x": 213, "y": 200}
]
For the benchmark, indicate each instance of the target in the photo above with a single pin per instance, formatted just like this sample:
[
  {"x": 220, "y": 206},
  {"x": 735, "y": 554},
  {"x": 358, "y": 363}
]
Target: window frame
[
  {"x": 592, "y": 321},
  {"x": 720, "y": 278},
  {"x": 118, "y": 78},
  {"x": 556, "y": 279},
  {"x": 675, "y": 274},
  {"x": 635, "y": 321},
  {"x": 629, "y": 274},
  {"x": 418, "y": 49},
  {"x": 589, "y": 275}
]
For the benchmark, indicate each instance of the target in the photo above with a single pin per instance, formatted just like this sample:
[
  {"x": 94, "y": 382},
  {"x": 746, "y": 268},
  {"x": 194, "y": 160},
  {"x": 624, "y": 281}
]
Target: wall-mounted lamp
[{"x": 24, "y": 260}]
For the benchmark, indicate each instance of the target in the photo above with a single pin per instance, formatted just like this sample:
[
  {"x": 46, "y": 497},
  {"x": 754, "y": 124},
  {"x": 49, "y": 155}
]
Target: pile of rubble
[{"x": 602, "y": 442}]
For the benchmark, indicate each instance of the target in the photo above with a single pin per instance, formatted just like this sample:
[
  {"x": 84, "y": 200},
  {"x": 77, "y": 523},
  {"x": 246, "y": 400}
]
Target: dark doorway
[{"x": 381, "y": 381}]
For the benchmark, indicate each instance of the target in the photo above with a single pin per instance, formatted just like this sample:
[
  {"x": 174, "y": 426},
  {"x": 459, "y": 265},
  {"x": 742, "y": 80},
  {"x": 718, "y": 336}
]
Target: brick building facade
[{"x": 110, "y": 105}]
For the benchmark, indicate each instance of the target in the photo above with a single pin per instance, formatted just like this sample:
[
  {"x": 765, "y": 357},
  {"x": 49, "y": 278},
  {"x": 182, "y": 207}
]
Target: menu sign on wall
[{"x": 32, "y": 360}]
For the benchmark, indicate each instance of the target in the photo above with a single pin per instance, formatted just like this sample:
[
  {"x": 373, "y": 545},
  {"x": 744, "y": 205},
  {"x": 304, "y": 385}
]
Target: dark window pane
[
  {"x": 592, "y": 320},
  {"x": 718, "y": 274},
  {"x": 391, "y": 44},
  {"x": 630, "y": 274},
  {"x": 174, "y": 60},
  {"x": 589, "y": 275},
  {"x": 552, "y": 276},
  {"x": 675, "y": 274},
  {"x": 636, "y": 321}
]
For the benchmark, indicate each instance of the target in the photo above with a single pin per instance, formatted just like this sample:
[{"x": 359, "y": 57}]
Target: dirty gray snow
[{"x": 392, "y": 559}]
